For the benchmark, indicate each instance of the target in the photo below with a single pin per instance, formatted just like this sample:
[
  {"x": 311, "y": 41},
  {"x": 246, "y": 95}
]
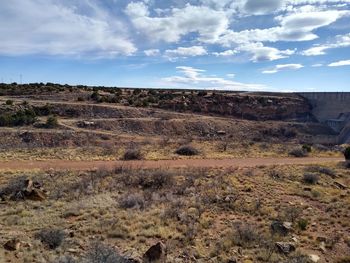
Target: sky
[{"x": 253, "y": 45}]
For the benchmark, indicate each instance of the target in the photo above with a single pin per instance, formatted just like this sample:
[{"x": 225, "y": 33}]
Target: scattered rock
[
  {"x": 232, "y": 261},
  {"x": 281, "y": 227},
  {"x": 340, "y": 185},
  {"x": 12, "y": 245},
  {"x": 221, "y": 132},
  {"x": 285, "y": 247},
  {"x": 155, "y": 254},
  {"x": 322, "y": 246},
  {"x": 295, "y": 239},
  {"x": 314, "y": 258}
]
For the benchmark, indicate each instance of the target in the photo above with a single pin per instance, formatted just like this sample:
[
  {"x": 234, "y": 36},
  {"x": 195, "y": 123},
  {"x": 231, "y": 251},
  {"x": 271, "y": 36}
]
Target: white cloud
[
  {"x": 207, "y": 22},
  {"x": 259, "y": 7},
  {"x": 54, "y": 28},
  {"x": 225, "y": 53},
  {"x": 340, "y": 63},
  {"x": 340, "y": 41},
  {"x": 151, "y": 52},
  {"x": 186, "y": 52},
  {"x": 195, "y": 78},
  {"x": 261, "y": 53},
  {"x": 283, "y": 67},
  {"x": 300, "y": 26},
  {"x": 292, "y": 27},
  {"x": 317, "y": 65}
]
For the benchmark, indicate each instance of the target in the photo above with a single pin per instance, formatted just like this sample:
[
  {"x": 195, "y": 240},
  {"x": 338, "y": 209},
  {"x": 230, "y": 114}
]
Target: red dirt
[{"x": 187, "y": 163}]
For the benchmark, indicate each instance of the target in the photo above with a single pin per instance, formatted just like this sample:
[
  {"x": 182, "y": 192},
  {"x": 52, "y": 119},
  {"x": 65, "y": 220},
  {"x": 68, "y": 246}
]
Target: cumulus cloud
[
  {"x": 225, "y": 53},
  {"x": 292, "y": 27},
  {"x": 186, "y": 52},
  {"x": 261, "y": 53},
  {"x": 283, "y": 67},
  {"x": 208, "y": 23},
  {"x": 340, "y": 63},
  {"x": 340, "y": 41},
  {"x": 151, "y": 52},
  {"x": 57, "y": 28},
  {"x": 259, "y": 7},
  {"x": 196, "y": 78}
]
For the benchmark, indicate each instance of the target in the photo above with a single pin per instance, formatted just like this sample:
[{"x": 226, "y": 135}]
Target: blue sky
[{"x": 274, "y": 45}]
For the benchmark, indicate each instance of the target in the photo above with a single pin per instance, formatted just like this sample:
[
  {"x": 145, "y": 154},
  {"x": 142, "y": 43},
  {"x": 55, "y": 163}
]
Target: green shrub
[
  {"x": 132, "y": 154},
  {"x": 307, "y": 148},
  {"x": 19, "y": 118},
  {"x": 302, "y": 224},
  {"x": 347, "y": 153},
  {"x": 186, "y": 150},
  {"x": 51, "y": 122},
  {"x": 53, "y": 238},
  {"x": 245, "y": 235},
  {"x": 128, "y": 201},
  {"x": 9, "y": 102},
  {"x": 310, "y": 178},
  {"x": 298, "y": 152}
]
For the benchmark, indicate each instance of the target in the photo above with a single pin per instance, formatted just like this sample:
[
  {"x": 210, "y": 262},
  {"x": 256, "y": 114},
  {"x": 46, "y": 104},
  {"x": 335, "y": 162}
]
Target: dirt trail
[{"x": 187, "y": 163}]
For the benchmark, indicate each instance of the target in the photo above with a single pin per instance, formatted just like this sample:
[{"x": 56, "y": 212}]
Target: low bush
[
  {"x": 311, "y": 178},
  {"x": 132, "y": 154},
  {"x": 51, "y": 122},
  {"x": 347, "y": 153},
  {"x": 19, "y": 118},
  {"x": 156, "y": 179},
  {"x": 322, "y": 170},
  {"x": 147, "y": 179},
  {"x": 13, "y": 187},
  {"x": 245, "y": 235},
  {"x": 302, "y": 224},
  {"x": 9, "y": 102},
  {"x": 52, "y": 238},
  {"x": 291, "y": 213},
  {"x": 307, "y": 148},
  {"x": 187, "y": 150},
  {"x": 132, "y": 201},
  {"x": 101, "y": 253},
  {"x": 298, "y": 152}
]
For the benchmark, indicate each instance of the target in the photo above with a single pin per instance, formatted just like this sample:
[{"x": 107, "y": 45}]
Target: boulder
[
  {"x": 221, "y": 132},
  {"x": 12, "y": 245},
  {"x": 314, "y": 258},
  {"x": 285, "y": 247},
  {"x": 322, "y": 247},
  {"x": 155, "y": 254},
  {"x": 282, "y": 228}
]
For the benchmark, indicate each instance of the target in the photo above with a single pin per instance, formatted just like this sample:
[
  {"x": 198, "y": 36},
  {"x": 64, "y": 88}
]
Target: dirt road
[{"x": 188, "y": 163}]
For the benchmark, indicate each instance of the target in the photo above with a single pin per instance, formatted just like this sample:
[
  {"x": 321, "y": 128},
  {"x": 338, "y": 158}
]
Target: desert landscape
[
  {"x": 99, "y": 174},
  {"x": 177, "y": 131}
]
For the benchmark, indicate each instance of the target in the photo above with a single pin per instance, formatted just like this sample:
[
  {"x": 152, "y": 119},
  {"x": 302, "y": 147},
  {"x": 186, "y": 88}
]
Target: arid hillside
[{"x": 102, "y": 175}]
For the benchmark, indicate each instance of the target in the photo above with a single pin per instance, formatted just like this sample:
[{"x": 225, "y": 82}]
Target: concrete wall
[{"x": 328, "y": 105}]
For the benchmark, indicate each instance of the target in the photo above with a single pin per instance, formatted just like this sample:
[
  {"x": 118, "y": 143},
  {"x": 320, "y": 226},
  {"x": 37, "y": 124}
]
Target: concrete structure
[
  {"x": 328, "y": 105},
  {"x": 332, "y": 108}
]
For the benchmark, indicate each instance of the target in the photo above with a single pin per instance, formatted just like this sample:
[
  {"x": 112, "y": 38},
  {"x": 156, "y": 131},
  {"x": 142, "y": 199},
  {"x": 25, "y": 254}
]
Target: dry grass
[{"x": 210, "y": 213}]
